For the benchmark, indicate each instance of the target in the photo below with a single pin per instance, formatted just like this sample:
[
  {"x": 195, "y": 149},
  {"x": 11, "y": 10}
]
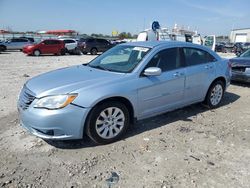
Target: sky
[{"x": 103, "y": 16}]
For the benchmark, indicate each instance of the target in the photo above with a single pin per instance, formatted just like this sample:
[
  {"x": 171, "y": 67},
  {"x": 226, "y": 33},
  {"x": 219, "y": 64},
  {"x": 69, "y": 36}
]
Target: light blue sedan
[{"x": 131, "y": 81}]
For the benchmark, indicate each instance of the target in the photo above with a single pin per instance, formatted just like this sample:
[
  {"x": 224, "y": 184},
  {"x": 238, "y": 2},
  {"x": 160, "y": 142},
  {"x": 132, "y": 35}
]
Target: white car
[{"x": 71, "y": 46}]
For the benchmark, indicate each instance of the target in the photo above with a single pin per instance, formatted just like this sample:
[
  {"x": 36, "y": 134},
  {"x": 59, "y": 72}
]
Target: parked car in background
[
  {"x": 49, "y": 46},
  {"x": 15, "y": 44},
  {"x": 239, "y": 48},
  {"x": 130, "y": 81},
  {"x": 220, "y": 47},
  {"x": 241, "y": 67},
  {"x": 229, "y": 47},
  {"x": 93, "y": 45},
  {"x": 1, "y": 47},
  {"x": 71, "y": 46},
  {"x": 31, "y": 39}
]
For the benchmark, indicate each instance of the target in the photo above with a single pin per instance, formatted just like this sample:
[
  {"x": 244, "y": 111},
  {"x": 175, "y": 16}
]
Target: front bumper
[
  {"x": 240, "y": 76},
  {"x": 27, "y": 51},
  {"x": 61, "y": 124}
]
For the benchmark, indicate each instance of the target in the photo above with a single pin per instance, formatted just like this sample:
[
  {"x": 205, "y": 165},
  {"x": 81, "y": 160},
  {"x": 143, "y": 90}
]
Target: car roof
[
  {"x": 153, "y": 44},
  {"x": 52, "y": 39},
  {"x": 67, "y": 39}
]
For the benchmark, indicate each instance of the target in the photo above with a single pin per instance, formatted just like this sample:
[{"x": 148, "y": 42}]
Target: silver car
[
  {"x": 131, "y": 81},
  {"x": 15, "y": 44}
]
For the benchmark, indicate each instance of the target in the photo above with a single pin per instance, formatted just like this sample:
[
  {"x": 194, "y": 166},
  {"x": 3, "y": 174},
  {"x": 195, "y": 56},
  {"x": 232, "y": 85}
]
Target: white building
[{"x": 240, "y": 35}]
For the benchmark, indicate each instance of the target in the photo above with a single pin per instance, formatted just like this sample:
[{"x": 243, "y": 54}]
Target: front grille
[
  {"x": 26, "y": 97},
  {"x": 239, "y": 69}
]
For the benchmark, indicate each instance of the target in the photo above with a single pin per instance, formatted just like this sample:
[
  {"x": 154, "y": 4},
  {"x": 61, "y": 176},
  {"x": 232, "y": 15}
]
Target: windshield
[
  {"x": 246, "y": 54},
  {"x": 122, "y": 58}
]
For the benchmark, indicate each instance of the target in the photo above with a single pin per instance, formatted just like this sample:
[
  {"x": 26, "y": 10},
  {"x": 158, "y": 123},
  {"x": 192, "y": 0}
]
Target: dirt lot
[{"x": 190, "y": 147}]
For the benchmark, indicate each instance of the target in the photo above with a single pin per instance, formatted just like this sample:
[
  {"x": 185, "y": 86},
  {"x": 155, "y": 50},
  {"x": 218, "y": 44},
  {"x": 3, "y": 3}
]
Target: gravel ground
[{"x": 190, "y": 147}]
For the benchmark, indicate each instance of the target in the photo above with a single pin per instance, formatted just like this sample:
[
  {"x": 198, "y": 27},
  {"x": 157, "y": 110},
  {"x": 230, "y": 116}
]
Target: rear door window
[
  {"x": 194, "y": 56},
  {"x": 91, "y": 40},
  {"x": 102, "y": 41},
  {"x": 48, "y": 42},
  {"x": 19, "y": 40}
]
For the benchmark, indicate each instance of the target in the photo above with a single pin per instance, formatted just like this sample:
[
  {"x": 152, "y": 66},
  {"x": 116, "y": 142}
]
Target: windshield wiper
[{"x": 99, "y": 67}]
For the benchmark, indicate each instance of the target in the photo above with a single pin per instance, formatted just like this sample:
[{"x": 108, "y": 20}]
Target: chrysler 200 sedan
[{"x": 131, "y": 81}]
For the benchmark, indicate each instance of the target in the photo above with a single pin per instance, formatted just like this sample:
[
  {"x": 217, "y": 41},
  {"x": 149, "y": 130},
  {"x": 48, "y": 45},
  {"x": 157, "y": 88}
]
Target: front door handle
[{"x": 177, "y": 74}]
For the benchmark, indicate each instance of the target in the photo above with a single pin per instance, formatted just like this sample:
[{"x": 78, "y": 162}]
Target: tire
[
  {"x": 77, "y": 51},
  {"x": 37, "y": 53},
  {"x": 215, "y": 94},
  {"x": 100, "y": 123},
  {"x": 93, "y": 51},
  {"x": 63, "y": 51},
  {"x": 3, "y": 48}
]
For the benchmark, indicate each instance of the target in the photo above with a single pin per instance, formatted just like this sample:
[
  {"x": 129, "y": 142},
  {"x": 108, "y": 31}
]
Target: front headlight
[{"x": 55, "y": 102}]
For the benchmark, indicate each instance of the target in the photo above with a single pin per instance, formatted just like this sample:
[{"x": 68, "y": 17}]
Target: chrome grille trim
[{"x": 26, "y": 97}]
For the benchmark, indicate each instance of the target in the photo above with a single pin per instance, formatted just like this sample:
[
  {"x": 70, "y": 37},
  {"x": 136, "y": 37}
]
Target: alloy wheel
[
  {"x": 216, "y": 95},
  {"x": 110, "y": 122}
]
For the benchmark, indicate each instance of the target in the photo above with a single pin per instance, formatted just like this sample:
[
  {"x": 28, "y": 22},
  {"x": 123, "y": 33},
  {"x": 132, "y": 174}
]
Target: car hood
[
  {"x": 240, "y": 61},
  {"x": 67, "y": 80}
]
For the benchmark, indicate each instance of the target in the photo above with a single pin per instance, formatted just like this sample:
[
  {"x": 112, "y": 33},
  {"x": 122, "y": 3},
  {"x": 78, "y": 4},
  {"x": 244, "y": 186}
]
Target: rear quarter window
[{"x": 69, "y": 41}]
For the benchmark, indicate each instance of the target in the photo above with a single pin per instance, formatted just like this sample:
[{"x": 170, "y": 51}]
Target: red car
[{"x": 49, "y": 46}]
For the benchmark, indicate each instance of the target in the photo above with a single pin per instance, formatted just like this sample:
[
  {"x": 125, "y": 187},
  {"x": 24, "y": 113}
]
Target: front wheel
[
  {"x": 36, "y": 53},
  {"x": 107, "y": 122},
  {"x": 215, "y": 94}
]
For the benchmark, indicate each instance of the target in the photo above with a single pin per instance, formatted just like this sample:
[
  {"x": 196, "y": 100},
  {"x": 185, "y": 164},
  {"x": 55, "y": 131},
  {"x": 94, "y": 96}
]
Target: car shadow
[
  {"x": 44, "y": 55},
  {"x": 241, "y": 84},
  {"x": 4, "y": 52},
  {"x": 183, "y": 114}
]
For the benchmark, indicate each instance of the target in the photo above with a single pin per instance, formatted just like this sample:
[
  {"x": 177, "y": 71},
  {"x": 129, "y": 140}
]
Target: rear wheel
[
  {"x": 93, "y": 51},
  {"x": 215, "y": 94},
  {"x": 36, "y": 53},
  {"x": 107, "y": 122},
  {"x": 63, "y": 51},
  {"x": 3, "y": 48}
]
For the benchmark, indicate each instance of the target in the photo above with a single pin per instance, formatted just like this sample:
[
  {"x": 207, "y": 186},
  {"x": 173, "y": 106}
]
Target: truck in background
[{"x": 156, "y": 33}]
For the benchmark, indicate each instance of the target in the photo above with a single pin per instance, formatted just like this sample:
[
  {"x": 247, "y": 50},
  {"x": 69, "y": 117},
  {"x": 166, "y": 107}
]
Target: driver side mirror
[{"x": 152, "y": 71}]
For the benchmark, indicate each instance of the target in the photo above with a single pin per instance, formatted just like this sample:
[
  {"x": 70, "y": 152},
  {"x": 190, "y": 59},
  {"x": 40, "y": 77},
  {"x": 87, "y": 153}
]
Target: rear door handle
[
  {"x": 208, "y": 66},
  {"x": 178, "y": 74}
]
